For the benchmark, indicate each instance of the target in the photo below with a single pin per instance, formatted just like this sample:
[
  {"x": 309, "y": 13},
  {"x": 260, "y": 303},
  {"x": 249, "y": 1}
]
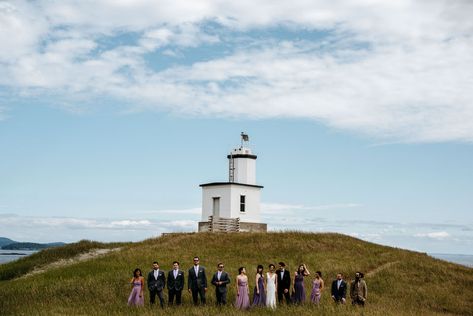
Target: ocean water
[
  {"x": 10, "y": 255},
  {"x": 466, "y": 260}
]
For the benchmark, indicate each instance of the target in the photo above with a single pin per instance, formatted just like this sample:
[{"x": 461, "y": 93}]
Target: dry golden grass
[{"x": 399, "y": 282}]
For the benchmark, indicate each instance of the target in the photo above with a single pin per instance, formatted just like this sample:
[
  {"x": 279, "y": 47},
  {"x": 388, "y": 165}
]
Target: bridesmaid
[
  {"x": 317, "y": 287},
  {"x": 271, "y": 287},
  {"x": 243, "y": 298},
  {"x": 299, "y": 289},
  {"x": 137, "y": 285},
  {"x": 259, "y": 297}
]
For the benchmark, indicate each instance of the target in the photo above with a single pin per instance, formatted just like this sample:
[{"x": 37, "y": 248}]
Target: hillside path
[
  {"x": 94, "y": 253},
  {"x": 381, "y": 268}
]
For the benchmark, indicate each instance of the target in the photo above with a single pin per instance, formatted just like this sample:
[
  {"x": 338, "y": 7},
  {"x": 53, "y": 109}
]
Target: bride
[{"x": 271, "y": 287}]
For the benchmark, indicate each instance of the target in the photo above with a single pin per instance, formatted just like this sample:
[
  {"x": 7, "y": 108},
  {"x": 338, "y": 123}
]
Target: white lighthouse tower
[{"x": 237, "y": 200}]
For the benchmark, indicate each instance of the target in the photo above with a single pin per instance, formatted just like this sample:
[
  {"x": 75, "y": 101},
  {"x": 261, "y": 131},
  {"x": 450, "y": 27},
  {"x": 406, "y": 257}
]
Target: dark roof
[
  {"x": 230, "y": 183},
  {"x": 242, "y": 156}
]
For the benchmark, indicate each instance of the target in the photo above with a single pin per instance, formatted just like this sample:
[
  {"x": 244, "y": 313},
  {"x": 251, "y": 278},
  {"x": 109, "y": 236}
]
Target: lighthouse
[{"x": 234, "y": 205}]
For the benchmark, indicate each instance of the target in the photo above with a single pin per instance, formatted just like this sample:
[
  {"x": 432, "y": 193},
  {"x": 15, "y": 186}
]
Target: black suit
[
  {"x": 175, "y": 286},
  {"x": 283, "y": 284},
  {"x": 221, "y": 289},
  {"x": 339, "y": 292},
  {"x": 197, "y": 284},
  {"x": 156, "y": 286}
]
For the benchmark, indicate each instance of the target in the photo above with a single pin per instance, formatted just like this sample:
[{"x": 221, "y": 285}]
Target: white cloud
[
  {"x": 434, "y": 235},
  {"x": 274, "y": 208},
  {"x": 398, "y": 70},
  {"x": 453, "y": 238}
]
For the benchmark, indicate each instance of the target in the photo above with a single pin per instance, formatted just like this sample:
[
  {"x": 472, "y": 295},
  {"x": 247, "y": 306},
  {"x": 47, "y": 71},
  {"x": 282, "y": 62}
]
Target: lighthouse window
[{"x": 242, "y": 203}]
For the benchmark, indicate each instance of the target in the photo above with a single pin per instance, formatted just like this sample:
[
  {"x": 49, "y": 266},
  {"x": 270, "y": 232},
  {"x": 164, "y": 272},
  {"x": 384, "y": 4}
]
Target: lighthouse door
[{"x": 216, "y": 207}]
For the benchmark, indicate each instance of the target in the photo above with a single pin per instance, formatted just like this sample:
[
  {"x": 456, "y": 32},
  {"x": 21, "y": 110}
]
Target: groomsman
[
  {"x": 156, "y": 284},
  {"x": 339, "y": 289},
  {"x": 175, "y": 283},
  {"x": 284, "y": 283},
  {"x": 197, "y": 282},
  {"x": 220, "y": 279},
  {"x": 358, "y": 290}
]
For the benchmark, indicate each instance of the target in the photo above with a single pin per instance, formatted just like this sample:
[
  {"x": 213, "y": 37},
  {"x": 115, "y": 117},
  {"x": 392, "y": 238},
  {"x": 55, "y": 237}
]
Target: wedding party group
[{"x": 271, "y": 288}]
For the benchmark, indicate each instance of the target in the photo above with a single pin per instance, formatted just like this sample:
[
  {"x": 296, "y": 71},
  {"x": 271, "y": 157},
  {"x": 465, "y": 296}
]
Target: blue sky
[{"x": 360, "y": 113}]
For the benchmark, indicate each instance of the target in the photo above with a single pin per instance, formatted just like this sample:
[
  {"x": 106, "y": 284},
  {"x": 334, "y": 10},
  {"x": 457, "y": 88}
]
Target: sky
[{"x": 361, "y": 113}]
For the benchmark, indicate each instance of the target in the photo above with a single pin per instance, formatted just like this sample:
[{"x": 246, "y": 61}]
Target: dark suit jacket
[
  {"x": 222, "y": 288},
  {"x": 176, "y": 283},
  {"x": 195, "y": 282},
  {"x": 158, "y": 283},
  {"x": 341, "y": 292},
  {"x": 285, "y": 283}
]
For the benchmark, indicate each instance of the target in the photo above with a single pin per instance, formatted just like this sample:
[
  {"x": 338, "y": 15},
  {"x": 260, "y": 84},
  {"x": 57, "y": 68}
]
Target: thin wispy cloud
[
  {"x": 452, "y": 239},
  {"x": 190, "y": 211},
  {"x": 400, "y": 71},
  {"x": 272, "y": 208},
  {"x": 3, "y": 116},
  {"x": 434, "y": 235}
]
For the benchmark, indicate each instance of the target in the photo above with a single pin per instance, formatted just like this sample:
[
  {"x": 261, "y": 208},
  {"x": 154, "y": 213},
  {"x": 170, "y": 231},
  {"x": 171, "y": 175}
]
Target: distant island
[{"x": 8, "y": 244}]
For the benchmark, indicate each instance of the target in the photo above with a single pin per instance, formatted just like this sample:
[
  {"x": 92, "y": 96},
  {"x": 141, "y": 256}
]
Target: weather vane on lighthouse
[{"x": 245, "y": 139}]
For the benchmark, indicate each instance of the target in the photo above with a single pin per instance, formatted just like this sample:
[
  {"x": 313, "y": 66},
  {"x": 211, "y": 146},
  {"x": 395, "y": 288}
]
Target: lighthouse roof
[
  {"x": 230, "y": 183},
  {"x": 242, "y": 152}
]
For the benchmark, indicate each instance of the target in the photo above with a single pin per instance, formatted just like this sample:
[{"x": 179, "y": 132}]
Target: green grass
[{"x": 409, "y": 283}]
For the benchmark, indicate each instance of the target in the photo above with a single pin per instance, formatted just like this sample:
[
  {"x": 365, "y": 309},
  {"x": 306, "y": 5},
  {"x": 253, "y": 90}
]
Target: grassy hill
[{"x": 400, "y": 282}]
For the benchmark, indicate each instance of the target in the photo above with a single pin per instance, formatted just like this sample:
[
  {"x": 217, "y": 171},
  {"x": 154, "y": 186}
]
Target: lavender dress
[
  {"x": 242, "y": 299},
  {"x": 259, "y": 299},
  {"x": 134, "y": 298},
  {"x": 315, "y": 294},
  {"x": 299, "y": 296}
]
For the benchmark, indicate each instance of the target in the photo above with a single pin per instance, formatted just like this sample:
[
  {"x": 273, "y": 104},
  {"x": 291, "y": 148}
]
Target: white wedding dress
[{"x": 271, "y": 290}]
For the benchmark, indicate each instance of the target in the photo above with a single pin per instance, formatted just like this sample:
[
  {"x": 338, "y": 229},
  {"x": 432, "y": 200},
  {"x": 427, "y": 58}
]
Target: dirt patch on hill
[{"x": 94, "y": 253}]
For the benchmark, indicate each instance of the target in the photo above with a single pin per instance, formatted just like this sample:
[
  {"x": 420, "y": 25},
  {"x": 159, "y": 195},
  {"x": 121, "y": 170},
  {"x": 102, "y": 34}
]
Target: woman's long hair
[{"x": 258, "y": 268}]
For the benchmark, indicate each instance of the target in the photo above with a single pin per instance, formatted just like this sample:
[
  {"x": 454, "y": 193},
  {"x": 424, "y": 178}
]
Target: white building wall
[
  {"x": 252, "y": 205},
  {"x": 208, "y": 193},
  {"x": 245, "y": 170},
  {"x": 230, "y": 202}
]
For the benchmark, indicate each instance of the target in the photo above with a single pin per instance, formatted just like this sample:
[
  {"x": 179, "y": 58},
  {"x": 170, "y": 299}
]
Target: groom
[{"x": 284, "y": 283}]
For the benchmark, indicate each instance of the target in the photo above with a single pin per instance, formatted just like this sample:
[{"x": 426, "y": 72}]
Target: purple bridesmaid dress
[
  {"x": 242, "y": 299},
  {"x": 134, "y": 298},
  {"x": 299, "y": 296},
  {"x": 315, "y": 294},
  {"x": 259, "y": 299}
]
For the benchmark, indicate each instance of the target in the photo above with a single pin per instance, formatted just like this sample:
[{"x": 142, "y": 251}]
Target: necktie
[{"x": 175, "y": 274}]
